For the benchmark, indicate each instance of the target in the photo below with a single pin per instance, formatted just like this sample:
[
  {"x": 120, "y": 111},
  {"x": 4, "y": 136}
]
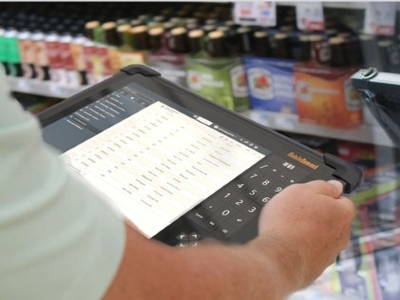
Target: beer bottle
[
  {"x": 215, "y": 45},
  {"x": 110, "y": 54},
  {"x": 3, "y": 50},
  {"x": 262, "y": 45},
  {"x": 140, "y": 38},
  {"x": 304, "y": 47},
  {"x": 67, "y": 60},
  {"x": 336, "y": 45},
  {"x": 178, "y": 41},
  {"x": 123, "y": 32},
  {"x": 246, "y": 40},
  {"x": 14, "y": 58},
  {"x": 281, "y": 47},
  {"x": 77, "y": 51},
  {"x": 196, "y": 41},
  {"x": 92, "y": 64},
  {"x": 25, "y": 45},
  {"x": 156, "y": 38}
]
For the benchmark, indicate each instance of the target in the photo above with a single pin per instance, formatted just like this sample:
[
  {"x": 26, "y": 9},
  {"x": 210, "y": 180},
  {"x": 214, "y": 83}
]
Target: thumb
[{"x": 338, "y": 185}]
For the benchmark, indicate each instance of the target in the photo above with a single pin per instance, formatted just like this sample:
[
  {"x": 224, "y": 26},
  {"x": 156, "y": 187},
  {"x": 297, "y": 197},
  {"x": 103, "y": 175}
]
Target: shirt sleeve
[{"x": 59, "y": 239}]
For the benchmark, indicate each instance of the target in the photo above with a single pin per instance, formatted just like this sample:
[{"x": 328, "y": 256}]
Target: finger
[
  {"x": 332, "y": 188},
  {"x": 338, "y": 185}
]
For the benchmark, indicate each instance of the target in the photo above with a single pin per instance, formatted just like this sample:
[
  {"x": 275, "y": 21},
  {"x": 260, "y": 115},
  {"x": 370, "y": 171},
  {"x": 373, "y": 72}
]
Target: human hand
[{"x": 307, "y": 225}]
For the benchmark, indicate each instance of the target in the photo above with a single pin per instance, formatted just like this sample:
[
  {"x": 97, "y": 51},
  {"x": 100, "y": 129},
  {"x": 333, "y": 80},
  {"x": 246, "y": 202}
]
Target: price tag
[
  {"x": 255, "y": 13},
  {"x": 380, "y": 18},
  {"x": 310, "y": 16}
]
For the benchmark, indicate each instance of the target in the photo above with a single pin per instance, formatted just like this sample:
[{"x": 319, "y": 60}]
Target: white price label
[
  {"x": 310, "y": 16},
  {"x": 380, "y": 18},
  {"x": 255, "y": 13}
]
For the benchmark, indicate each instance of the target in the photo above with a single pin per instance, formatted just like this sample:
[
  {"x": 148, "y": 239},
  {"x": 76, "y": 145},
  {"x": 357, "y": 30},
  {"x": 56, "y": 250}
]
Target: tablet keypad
[{"x": 240, "y": 201}]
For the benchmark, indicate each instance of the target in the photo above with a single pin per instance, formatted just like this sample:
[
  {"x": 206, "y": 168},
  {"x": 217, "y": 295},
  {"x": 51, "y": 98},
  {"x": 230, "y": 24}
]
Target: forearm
[{"x": 151, "y": 270}]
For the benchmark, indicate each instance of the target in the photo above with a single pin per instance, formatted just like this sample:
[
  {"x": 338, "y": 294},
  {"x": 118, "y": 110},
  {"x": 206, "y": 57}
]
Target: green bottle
[
  {"x": 3, "y": 51},
  {"x": 13, "y": 55},
  {"x": 215, "y": 73}
]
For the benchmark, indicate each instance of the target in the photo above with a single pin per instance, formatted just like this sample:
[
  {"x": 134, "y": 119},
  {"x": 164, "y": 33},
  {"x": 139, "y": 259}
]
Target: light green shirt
[{"x": 59, "y": 239}]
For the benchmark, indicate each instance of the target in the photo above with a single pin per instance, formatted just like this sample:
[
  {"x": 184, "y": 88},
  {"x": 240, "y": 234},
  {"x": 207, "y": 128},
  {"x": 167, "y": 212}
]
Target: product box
[
  {"x": 221, "y": 80},
  {"x": 325, "y": 96},
  {"x": 271, "y": 84}
]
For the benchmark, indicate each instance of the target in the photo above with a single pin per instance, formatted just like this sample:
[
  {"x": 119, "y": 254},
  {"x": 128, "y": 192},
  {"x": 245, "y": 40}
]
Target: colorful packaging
[
  {"x": 221, "y": 80},
  {"x": 325, "y": 96},
  {"x": 271, "y": 84}
]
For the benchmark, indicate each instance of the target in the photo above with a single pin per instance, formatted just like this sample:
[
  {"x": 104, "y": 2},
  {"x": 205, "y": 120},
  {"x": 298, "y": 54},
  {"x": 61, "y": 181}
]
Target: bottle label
[
  {"x": 239, "y": 82},
  {"x": 260, "y": 83}
]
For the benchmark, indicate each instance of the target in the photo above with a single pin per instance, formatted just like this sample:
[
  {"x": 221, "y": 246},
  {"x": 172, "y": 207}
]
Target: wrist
[{"x": 284, "y": 261}]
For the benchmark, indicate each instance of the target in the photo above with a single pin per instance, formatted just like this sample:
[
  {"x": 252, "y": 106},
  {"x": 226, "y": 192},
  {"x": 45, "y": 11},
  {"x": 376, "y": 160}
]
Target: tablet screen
[{"x": 154, "y": 159}]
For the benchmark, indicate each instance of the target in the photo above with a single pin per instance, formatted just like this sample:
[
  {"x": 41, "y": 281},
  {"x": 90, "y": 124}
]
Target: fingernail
[{"x": 338, "y": 185}]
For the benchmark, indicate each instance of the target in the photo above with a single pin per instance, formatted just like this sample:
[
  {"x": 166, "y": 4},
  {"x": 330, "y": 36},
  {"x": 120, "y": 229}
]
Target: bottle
[
  {"x": 168, "y": 54},
  {"x": 53, "y": 50},
  {"x": 41, "y": 57},
  {"x": 3, "y": 50},
  {"x": 77, "y": 51},
  {"x": 262, "y": 47},
  {"x": 109, "y": 54},
  {"x": 25, "y": 45},
  {"x": 336, "y": 45},
  {"x": 304, "y": 48},
  {"x": 246, "y": 40},
  {"x": 196, "y": 41},
  {"x": 13, "y": 55},
  {"x": 67, "y": 60},
  {"x": 281, "y": 47}
]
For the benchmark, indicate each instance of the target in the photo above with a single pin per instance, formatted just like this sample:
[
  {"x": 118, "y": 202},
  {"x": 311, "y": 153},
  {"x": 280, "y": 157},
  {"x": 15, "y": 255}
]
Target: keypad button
[
  {"x": 182, "y": 237},
  {"x": 225, "y": 213},
  {"x": 252, "y": 210},
  {"x": 212, "y": 204},
  {"x": 239, "y": 220},
  {"x": 224, "y": 231},
  {"x": 194, "y": 236},
  {"x": 211, "y": 224},
  {"x": 198, "y": 215}
]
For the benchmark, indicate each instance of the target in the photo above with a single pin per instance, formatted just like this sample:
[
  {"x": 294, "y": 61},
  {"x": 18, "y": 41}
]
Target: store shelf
[
  {"x": 367, "y": 133},
  {"x": 370, "y": 133},
  {"x": 42, "y": 88}
]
